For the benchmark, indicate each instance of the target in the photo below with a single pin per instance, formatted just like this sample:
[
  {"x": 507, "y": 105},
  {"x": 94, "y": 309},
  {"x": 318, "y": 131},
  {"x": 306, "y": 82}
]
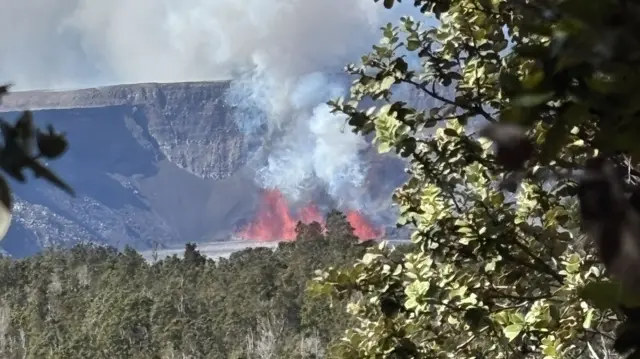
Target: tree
[
  {"x": 192, "y": 256},
  {"x": 309, "y": 232},
  {"x": 497, "y": 271},
  {"x": 96, "y": 302},
  {"x": 339, "y": 228},
  {"x": 264, "y": 343}
]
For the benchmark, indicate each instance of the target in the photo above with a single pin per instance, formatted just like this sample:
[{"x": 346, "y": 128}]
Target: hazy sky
[{"x": 75, "y": 43}]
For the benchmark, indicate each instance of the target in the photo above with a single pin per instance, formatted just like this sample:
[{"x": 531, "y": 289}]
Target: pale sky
[{"x": 77, "y": 43}]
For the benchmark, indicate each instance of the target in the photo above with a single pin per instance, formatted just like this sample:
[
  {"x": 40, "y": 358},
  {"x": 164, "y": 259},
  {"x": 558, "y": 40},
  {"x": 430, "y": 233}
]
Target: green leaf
[
  {"x": 509, "y": 83},
  {"x": 532, "y": 99},
  {"x": 450, "y": 132},
  {"x": 575, "y": 115},
  {"x": 512, "y": 331},
  {"x": 601, "y": 84},
  {"x": 486, "y": 4},
  {"x": 410, "y": 303},
  {"x": 384, "y": 147},
  {"x": 370, "y": 257},
  {"x": 343, "y": 278},
  {"x": 500, "y": 45},
  {"x": 588, "y": 319},
  {"x": 532, "y": 51},
  {"x": 413, "y": 44},
  {"x": 387, "y": 82},
  {"x": 532, "y": 80},
  {"x": 516, "y": 318},
  {"x": 490, "y": 266},
  {"x": 603, "y": 295},
  {"x": 397, "y": 271}
]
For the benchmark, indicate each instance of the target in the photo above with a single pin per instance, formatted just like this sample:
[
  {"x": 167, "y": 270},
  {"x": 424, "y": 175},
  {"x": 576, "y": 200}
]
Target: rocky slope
[{"x": 151, "y": 163}]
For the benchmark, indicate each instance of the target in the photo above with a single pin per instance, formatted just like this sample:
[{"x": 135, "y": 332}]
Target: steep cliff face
[
  {"x": 150, "y": 163},
  {"x": 188, "y": 123}
]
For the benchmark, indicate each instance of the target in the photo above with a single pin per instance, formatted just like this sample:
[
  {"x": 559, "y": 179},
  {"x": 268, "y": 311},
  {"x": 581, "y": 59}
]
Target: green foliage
[
  {"x": 496, "y": 272},
  {"x": 96, "y": 302},
  {"x": 22, "y": 148}
]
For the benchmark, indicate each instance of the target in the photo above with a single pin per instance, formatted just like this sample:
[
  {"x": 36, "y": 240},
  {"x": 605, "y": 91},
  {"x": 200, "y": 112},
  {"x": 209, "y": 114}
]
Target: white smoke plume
[
  {"x": 282, "y": 54},
  {"x": 71, "y": 43},
  {"x": 300, "y": 141}
]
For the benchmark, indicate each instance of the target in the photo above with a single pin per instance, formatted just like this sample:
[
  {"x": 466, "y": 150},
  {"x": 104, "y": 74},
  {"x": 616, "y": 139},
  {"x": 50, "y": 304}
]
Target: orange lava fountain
[{"x": 275, "y": 221}]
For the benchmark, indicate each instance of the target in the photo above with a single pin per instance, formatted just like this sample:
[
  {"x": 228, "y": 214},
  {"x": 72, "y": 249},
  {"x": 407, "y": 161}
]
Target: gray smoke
[
  {"x": 282, "y": 55},
  {"x": 76, "y": 43}
]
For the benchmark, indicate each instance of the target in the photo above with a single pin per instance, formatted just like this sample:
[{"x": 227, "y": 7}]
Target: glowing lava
[
  {"x": 362, "y": 228},
  {"x": 274, "y": 220}
]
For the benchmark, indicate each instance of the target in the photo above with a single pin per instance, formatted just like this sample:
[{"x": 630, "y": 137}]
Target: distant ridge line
[
  {"x": 224, "y": 249},
  {"x": 104, "y": 96}
]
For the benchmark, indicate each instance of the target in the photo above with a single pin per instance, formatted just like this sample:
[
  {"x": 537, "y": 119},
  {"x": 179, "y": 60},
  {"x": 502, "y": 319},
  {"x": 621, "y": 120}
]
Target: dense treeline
[{"x": 97, "y": 302}]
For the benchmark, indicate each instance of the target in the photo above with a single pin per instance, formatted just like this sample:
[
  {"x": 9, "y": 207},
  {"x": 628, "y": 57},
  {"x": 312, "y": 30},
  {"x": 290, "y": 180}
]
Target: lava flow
[
  {"x": 362, "y": 228},
  {"x": 274, "y": 220}
]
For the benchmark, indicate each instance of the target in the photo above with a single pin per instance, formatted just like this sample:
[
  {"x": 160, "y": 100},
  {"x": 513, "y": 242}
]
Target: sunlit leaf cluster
[{"x": 498, "y": 271}]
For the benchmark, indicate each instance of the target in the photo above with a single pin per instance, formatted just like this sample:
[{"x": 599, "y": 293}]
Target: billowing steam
[
  {"x": 76, "y": 43},
  {"x": 285, "y": 56},
  {"x": 299, "y": 141}
]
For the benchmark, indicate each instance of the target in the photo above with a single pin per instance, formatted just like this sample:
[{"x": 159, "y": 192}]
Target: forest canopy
[{"x": 97, "y": 302}]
